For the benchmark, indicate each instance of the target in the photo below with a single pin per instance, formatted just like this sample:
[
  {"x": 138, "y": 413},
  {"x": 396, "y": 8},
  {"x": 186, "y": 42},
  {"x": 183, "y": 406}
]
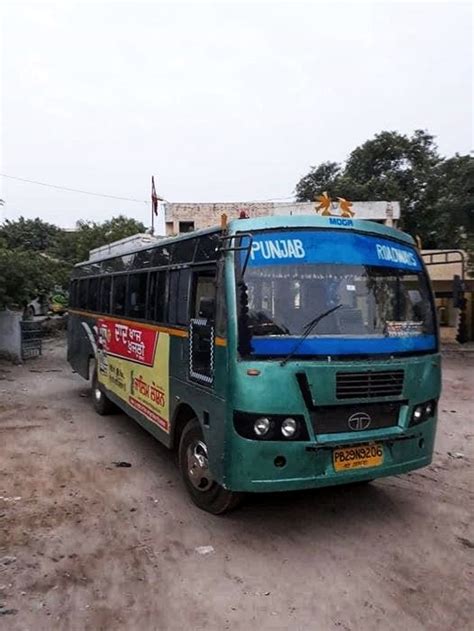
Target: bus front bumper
[{"x": 259, "y": 466}]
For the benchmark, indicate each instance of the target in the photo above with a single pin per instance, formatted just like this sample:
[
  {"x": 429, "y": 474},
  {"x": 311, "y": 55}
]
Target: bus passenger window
[
  {"x": 173, "y": 297},
  {"x": 156, "y": 297},
  {"x": 178, "y": 296},
  {"x": 137, "y": 286},
  {"x": 93, "y": 294},
  {"x": 151, "y": 297},
  {"x": 183, "y": 296},
  {"x": 119, "y": 294},
  {"x": 105, "y": 287},
  {"x": 221, "y": 311},
  {"x": 73, "y": 293},
  {"x": 82, "y": 293},
  {"x": 205, "y": 295}
]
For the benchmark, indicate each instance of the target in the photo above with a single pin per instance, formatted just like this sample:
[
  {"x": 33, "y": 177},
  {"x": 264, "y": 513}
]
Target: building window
[{"x": 186, "y": 226}]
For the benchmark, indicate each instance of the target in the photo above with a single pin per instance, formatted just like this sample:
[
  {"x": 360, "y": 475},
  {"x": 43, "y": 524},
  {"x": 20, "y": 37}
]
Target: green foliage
[
  {"x": 25, "y": 275},
  {"x": 36, "y": 257},
  {"x": 325, "y": 177},
  {"x": 90, "y": 235},
  {"x": 436, "y": 195},
  {"x": 30, "y": 234}
]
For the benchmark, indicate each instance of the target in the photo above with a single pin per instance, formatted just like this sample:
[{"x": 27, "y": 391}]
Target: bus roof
[
  {"x": 276, "y": 222},
  {"x": 160, "y": 243},
  {"x": 317, "y": 221}
]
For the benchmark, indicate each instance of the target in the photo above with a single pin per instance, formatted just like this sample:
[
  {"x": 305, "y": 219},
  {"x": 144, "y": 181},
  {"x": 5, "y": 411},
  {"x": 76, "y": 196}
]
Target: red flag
[{"x": 154, "y": 197}]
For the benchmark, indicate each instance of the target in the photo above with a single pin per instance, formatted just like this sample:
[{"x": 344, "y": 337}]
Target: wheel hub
[{"x": 198, "y": 466}]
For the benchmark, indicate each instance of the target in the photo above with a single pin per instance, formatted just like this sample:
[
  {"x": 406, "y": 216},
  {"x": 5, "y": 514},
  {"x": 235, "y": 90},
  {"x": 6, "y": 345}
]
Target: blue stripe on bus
[
  {"x": 337, "y": 247},
  {"x": 342, "y": 346}
]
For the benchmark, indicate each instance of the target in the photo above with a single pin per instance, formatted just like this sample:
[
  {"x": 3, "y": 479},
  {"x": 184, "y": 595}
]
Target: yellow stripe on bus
[
  {"x": 152, "y": 327},
  {"x": 219, "y": 341}
]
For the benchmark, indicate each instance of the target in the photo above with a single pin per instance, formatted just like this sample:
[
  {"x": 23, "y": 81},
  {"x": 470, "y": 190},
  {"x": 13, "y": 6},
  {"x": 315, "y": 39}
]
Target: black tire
[
  {"x": 102, "y": 404},
  {"x": 205, "y": 493}
]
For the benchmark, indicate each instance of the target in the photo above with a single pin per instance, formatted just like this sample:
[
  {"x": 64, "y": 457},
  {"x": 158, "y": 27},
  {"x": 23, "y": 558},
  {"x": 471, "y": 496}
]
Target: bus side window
[
  {"x": 151, "y": 297},
  {"x": 156, "y": 299},
  {"x": 178, "y": 297},
  {"x": 93, "y": 295},
  {"x": 204, "y": 295},
  {"x": 73, "y": 293},
  {"x": 82, "y": 293},
  {"x": 137, "y": 290},
  {"x": 119, "y": 294},
  {"x": 183, "y": 296},
  {"x": 173, "y": 296},
  {"x": 221, "y": 310},
  {"x": 105, "y": 287}
]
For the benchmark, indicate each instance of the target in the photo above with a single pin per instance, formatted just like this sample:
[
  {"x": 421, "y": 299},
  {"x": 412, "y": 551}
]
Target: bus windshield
[
  {"x": 375, "y": 301},
  {"x": 379, "y": 288}
]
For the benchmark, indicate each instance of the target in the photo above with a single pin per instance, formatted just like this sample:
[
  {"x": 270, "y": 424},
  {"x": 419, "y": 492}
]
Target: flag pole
[
  {"x": 154, "y": 204},
  {"x": 152, "y": 231},
  {"x": 155, "y": 199}
]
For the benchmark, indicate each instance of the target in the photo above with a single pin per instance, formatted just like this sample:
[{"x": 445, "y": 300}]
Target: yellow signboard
[{"x": 133, "y": 363}]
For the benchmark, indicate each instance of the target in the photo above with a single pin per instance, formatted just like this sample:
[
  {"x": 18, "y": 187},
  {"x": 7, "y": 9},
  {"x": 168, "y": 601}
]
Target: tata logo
[
  {"x": 339, "y": 221},
  {"x": 359, "y": 421}
]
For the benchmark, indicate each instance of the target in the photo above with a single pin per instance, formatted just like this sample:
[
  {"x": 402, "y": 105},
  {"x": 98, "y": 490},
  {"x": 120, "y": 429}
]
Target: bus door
[{"x": 202, "y": 327}]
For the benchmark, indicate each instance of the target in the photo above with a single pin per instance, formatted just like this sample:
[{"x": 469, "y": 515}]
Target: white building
[{"x": 186, "y": 217}]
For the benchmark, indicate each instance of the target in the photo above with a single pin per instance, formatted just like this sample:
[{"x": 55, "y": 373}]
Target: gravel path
[{"x": 85, "y": 544}]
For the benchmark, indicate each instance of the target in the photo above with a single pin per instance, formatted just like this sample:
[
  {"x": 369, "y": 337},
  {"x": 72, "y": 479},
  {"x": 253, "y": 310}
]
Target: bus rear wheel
[
  {"x": 193, "y": 463},
  {"x": 102, "y": 404}
]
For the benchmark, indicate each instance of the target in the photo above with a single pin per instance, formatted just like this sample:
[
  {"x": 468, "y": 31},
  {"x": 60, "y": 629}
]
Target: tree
[
  {"x": 435, "y": 194},
  {"x": 25, "y": 275},
  {"x": 28, "y": 266},
  {"x": 453, "y": 210},
  {"x": 325, "y": 177},
  {"x": 90, "y": 235},
  {"x": 36, "y": 257},
  {"x": 30, "y": 234}
]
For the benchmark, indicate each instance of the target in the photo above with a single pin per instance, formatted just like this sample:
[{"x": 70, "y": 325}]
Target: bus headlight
[
  {"x": 289, "y": 427},
  {"x": 261, "y": 426},
  {"x": 429, "y": 408},
  {"x": 270, "y": 427},
  {"x": 423, "y": 411}
]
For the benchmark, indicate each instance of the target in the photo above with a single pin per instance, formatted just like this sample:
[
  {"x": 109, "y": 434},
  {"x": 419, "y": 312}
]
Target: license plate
[{"x": 357, "y": 457}]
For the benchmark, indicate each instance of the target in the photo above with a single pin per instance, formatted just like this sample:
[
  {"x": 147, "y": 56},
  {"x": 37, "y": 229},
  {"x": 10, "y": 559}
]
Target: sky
[{"x": 221, "y": 102}]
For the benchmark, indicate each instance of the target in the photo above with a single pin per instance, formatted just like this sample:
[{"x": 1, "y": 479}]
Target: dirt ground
[{"x": 88, "y": 545}]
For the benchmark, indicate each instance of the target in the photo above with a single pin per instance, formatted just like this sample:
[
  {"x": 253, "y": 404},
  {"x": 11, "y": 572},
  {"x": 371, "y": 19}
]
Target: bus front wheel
[
  {"x": 193, "y": 463},
  {"x": 102, "y": 405}
]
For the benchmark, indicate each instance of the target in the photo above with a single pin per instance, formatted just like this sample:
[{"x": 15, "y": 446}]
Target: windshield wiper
[{"x": 307, "y": 330}]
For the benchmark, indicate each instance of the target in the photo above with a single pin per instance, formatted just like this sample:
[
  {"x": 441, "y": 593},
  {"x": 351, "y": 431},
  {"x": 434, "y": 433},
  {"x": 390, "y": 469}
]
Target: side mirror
[{"x": 206, "y": 308}]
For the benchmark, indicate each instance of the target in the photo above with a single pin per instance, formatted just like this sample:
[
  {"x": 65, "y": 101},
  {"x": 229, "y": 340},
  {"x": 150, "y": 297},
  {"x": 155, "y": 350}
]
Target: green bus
[{"x": 273, "y": 353}]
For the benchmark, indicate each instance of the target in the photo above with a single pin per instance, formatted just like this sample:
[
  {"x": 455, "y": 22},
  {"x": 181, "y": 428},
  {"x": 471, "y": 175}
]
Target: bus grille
[
  {"x": 358, "y": 417},
  {"x": 367, "y": 385}
]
